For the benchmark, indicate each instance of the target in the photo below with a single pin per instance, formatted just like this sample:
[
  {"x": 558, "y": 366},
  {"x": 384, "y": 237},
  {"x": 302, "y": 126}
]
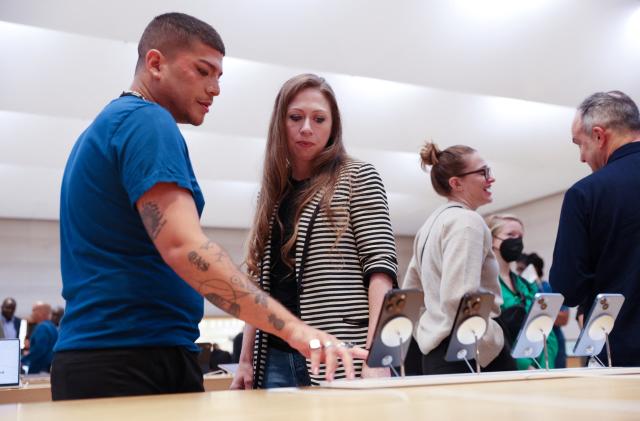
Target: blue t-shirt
[
  {"x": 41, "y": 342},
  {"x": 119, "y": 291}
]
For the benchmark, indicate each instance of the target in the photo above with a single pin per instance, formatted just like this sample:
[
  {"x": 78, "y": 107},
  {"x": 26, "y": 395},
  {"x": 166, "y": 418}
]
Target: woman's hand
[{"x": 243, "y": 379}]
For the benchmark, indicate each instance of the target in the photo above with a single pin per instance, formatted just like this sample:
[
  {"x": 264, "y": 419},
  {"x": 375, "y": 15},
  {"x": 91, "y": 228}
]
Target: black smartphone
[
  {"x": 401, "y": 309},
  {"x": 470, "y": 323}
]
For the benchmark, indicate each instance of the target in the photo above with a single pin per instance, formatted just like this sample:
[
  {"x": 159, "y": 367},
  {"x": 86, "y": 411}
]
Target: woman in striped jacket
[{"x": 321, "y": 242}]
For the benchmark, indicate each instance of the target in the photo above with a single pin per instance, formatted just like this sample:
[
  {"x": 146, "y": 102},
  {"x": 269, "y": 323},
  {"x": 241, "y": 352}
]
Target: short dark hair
[
  {"x": 537, "y": 262},
  {"x": 613, "y": 109},
  {"x": 171, "y": 31}
]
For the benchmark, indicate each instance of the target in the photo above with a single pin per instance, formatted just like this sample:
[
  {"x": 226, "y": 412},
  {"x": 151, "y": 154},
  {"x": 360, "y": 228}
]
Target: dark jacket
[{"x": 598, "y": 246}]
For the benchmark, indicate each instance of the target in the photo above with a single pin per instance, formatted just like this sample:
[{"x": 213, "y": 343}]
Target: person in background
[
  {"x": 322, "y": 242},
  {"x": 563, "y": 314},
  {"x": 597, "y": 248},
  {"x": 10, "y": 323},
  {"x": 43, "y": 339},
  {"x": 31, "y": 327},
  {"x": 507, "y": 232},
  {"x": 135, "y": 260},
  {"x": 237, "y": 348},
  {"x": 452, "y": 256},
  {"x": 218, "y": 356},
  {"x": 521, "y": 263},
  {"x": 56, "y": 315}
]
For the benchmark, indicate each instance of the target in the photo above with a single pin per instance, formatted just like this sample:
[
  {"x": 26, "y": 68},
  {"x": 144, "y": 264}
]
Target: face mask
[{"x": 511, "y": 249}]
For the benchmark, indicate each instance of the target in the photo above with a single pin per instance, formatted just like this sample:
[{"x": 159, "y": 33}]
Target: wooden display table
[
  {"x": 613, "y": 397},
  {"x": 39, "y": 390}
]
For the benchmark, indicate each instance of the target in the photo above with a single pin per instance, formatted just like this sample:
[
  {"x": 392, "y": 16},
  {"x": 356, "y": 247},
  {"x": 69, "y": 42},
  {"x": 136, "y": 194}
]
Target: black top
[{"x": 284, "y": 286}]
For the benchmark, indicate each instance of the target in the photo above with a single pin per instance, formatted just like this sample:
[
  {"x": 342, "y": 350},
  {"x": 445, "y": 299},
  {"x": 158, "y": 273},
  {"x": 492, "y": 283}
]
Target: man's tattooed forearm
[
  {"x": 196, "y": 260},
  {"x": 226, "y": 294},
  {"x": 224, "y": 304},
  {"x": 207, "y": 245},
  {"x": 276, "y": 322},
  {"x": 218, "y": 252},
  {"x": 251, "y": 288},
  {"x": 152, "y": 218}
]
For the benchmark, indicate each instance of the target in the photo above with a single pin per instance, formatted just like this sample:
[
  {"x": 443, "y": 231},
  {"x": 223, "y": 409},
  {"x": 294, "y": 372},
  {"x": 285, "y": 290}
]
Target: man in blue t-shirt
[
  {"x": 42, "y": 340},
  {"x": 135, "y": 261},
  {"x": 598, "y": 244}
]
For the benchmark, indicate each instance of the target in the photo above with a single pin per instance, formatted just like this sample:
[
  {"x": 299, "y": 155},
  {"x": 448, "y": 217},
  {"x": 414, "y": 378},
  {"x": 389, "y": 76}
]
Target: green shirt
[{"x": 525, "y": 297}]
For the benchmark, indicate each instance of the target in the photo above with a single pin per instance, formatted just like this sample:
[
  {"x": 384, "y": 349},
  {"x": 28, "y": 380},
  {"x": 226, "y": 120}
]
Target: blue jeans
[{"x": 285, "y": 369}]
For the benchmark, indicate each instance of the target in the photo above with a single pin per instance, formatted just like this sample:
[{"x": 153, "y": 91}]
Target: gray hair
[{"x": 613, "y": 109}]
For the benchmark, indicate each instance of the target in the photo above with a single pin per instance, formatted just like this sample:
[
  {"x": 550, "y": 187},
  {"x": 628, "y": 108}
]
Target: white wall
[
  {"x": 30, "y": 260},
  {"x": 540, "y": 218}
]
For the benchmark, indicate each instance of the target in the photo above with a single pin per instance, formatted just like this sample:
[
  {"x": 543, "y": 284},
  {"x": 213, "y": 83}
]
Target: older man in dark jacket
[{"x": 598, "y": 244}]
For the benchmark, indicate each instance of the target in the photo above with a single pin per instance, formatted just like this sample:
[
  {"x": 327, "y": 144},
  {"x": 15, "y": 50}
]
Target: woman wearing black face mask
[{"x": 507, "y": 232}]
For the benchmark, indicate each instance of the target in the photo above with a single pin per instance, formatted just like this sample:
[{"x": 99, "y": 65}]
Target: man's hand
[
  {"x": 321, "y": 347},
  {"x": 563, "y": 318}
]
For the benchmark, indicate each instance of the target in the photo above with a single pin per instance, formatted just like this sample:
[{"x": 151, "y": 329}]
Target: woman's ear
[{"x": 455, "y": 183}]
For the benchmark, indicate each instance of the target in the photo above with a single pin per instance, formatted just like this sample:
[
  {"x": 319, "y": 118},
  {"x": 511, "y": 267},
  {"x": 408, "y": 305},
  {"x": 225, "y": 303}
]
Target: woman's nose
[{"x": 306, "y": 126}]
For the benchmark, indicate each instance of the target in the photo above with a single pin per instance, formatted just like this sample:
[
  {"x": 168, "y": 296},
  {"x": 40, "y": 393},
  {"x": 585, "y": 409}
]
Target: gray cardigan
[{"x": 452, "y": 256}]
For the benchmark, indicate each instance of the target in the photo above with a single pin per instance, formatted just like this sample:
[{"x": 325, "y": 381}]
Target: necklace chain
[{"x": 135, "y": 93}]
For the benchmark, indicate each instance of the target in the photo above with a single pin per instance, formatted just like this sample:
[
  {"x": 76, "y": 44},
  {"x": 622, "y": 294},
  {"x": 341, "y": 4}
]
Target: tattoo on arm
[
  {"x": 222, "y": 303},
  {"x": 197, "y": 260},
  {"x": 208, "y": 245},
  {"x": 226, "y": 294},
  {"x": 152, "y": 218},
  {"x": 218, "y": 251},
  {"x": 276, "y": 322}
]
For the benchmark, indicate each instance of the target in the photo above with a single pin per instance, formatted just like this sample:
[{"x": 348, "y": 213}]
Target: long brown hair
[{"x": 276, "y": 169}]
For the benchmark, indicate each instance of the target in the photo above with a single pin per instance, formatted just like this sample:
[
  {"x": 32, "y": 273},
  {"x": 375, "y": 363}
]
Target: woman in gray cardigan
[
  {"x": 452, "y": 255},
  {"x": 322, "y": 242}
]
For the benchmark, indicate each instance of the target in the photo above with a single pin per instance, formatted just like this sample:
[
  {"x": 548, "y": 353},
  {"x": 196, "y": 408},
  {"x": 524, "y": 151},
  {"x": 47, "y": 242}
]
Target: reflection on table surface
[{"x": 612, "y": 397}]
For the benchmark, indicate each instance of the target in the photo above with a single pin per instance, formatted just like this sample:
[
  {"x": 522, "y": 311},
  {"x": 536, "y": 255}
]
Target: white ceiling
[{"x": 502, "y": 76}]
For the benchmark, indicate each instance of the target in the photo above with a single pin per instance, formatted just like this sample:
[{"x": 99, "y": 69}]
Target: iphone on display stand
[
  {"x": 401, "y": 309},
  {"x": 469, "y": 326},
  {"x": 532, "y": 337},
  {"x": 595, "y": 333}
]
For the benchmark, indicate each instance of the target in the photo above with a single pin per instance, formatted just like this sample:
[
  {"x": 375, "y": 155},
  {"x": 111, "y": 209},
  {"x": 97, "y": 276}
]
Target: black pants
[
  {"x": 434, "y": 362},
  {"x": 124, "y": 372}
]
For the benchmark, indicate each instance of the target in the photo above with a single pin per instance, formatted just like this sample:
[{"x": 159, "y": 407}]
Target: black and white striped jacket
[{"x": 333, "y": 276}]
